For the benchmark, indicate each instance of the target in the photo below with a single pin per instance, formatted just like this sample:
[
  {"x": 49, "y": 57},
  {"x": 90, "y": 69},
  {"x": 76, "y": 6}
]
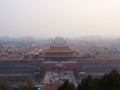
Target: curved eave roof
[
  {"x": 59, "y": 50},
  {"x": 60, "y": 56}
]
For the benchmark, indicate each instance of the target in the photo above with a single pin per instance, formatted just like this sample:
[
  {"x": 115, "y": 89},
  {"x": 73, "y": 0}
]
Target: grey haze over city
[{"x": 67, "y": 18}]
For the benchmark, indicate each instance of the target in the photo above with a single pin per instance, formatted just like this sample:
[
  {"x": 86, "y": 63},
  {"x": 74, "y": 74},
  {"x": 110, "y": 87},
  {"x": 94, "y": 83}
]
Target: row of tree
[
  {"x": 26, "y": 85},
  {"x": 67, "y": 86},
  {"x": 22, "y": 82},
  {"x": 110, "y": 81}
]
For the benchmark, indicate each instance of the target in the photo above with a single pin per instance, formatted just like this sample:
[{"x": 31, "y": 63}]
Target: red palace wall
[{"x": 64, "y": 66}]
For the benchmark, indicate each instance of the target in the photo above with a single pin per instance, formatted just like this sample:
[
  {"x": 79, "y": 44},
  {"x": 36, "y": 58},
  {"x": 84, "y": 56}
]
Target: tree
[
  {"x": 76, "y": 73},
  {"x": 72, "y": 87},
  {"x": 36, "y": 56},
  {"x": 23, "y": 86},
  {"x": 29, "y": 82},
  {"x": 97, "y": 84},
  {"x": 42, "y": 72},
  {"x": 87, "y": 83},
  {"x": 111, "y": 81},
  {"x": 79, "y": 87},
  {"x": 26, "y": 56},
  {"x": 67, "y": 86},
  {"x": 87, "y": 56},
  {"x": 104, "y": 82},
  {"x": 3, "y": 84},
  {"x": 27, "y": 85}
]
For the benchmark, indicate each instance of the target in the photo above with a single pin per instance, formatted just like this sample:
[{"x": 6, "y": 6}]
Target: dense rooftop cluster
[{"x": 52, "y": 63}]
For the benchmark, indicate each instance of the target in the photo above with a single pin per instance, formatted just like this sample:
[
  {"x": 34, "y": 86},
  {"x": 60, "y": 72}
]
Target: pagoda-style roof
[
  {"x": 60, "y": 56},
  {"x": 59, "y": 50}
]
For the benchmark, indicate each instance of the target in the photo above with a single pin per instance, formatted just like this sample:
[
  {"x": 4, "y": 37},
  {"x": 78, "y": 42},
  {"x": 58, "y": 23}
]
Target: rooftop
[
  {"x": 59, "y": 42},
  {"x": 59, "y": 50}
]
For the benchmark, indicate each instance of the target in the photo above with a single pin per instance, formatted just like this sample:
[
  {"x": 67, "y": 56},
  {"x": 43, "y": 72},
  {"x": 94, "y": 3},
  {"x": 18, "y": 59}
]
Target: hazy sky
[{"x": 59, "y": 17}]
